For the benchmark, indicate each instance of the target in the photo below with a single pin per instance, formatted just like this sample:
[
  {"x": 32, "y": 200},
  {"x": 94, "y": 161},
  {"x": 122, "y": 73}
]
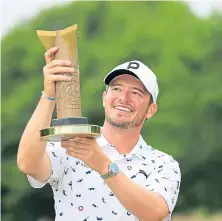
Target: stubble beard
[{"x": 137, "y": 121}]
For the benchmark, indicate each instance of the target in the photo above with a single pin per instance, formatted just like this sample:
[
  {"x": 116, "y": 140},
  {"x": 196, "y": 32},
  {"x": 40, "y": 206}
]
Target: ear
[
  {"x": 104, "y": 98},
  {"x": 151, "y": 111}
]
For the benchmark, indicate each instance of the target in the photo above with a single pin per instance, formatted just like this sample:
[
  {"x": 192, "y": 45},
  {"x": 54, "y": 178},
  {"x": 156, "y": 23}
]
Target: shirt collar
[
  {"x": 101, "y": 140},
  {"x": 141, "y": 149}
]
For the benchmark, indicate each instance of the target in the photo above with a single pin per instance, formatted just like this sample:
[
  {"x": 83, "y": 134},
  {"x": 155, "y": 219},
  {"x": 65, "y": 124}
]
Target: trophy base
[{"x": 66, "y": 132}]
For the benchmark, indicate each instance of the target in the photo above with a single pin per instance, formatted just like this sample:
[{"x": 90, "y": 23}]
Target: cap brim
[{"x": 116, "y": 73}]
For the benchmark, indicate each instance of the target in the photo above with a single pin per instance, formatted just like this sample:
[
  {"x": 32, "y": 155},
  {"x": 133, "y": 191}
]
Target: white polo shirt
[{"x": 80, "y": 193}]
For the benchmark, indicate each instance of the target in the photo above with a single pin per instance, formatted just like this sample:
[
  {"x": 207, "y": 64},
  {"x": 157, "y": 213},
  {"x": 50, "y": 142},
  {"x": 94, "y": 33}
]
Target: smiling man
[{"x": 116, "y": 177}]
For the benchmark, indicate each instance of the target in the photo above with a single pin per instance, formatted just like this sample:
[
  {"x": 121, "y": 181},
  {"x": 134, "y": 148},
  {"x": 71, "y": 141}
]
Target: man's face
[{"x": 126, "y": 102}]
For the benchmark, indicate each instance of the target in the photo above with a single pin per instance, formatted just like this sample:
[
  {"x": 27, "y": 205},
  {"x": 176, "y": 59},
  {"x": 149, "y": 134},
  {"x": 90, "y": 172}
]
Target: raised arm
[{"x": 32, "y": 158}]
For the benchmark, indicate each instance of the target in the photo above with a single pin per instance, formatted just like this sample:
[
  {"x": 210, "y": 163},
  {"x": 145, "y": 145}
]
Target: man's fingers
[
  {"x": 50, "y": 54},
  {"x": 59, "y": 77},
  {"x": 59, "y": 69},
  {"x": 84, "y": 140},
  {"x": 75, "y": 146},
  {"x": 79, "y": 141},
  {"x": 55, "y": 63},
  {"x": 77, "y": 151},
  {"x": 76, "y": 155}
]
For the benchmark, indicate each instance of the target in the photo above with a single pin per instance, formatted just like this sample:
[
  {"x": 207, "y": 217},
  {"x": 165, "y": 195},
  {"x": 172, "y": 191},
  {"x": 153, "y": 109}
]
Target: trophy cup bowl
[{"x": 69, "y": 122}]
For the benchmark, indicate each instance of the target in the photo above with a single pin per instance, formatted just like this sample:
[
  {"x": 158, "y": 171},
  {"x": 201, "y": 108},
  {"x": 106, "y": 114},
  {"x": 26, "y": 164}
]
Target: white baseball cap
[{"x": 139, "y": 70}]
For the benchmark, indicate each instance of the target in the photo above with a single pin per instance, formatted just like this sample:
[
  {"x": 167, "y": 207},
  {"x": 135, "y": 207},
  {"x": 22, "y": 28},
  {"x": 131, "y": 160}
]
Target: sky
[{"x": 13, "y": 11}]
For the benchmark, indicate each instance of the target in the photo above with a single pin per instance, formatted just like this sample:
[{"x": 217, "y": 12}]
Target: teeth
[{"x": 123, "y": 109}]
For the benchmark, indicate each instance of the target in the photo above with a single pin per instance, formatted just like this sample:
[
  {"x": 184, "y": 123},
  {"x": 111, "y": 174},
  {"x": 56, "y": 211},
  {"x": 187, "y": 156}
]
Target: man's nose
[{"x": 125, "y": 96}]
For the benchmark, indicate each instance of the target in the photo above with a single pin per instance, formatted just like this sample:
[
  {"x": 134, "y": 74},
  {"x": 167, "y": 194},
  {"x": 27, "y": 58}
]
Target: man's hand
[
  {"x": 87, "y": 150},
  {"x": 54, "y": 71}
]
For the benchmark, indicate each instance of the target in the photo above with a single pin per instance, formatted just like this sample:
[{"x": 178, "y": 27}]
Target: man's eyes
[
  {"x": 116, "y": 89},
  {"x": 137, "y": 93}
]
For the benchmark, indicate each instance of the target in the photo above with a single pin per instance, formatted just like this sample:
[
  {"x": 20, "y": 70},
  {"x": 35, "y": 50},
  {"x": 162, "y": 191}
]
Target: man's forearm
[
  {"x": 145, "y": 205},
  {"x": 30, "y": 147}
]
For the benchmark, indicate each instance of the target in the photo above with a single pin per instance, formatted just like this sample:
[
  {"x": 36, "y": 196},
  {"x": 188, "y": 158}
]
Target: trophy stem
[{"x": 68, "y": 102}]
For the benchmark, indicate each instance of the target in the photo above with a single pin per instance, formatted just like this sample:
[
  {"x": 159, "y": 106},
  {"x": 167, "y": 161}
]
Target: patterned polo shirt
[{"x": 80, "y": 193}]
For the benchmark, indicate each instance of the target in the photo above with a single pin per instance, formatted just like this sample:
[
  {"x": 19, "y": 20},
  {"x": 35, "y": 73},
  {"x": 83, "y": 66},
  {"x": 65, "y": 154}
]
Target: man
[{"x": 114, "y": 177}]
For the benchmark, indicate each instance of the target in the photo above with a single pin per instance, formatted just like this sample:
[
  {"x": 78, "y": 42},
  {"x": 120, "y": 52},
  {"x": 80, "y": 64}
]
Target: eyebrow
[{"x": 135, "y": 88}]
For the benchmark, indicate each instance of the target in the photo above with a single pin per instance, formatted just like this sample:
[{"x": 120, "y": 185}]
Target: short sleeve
[
  {"x": 57, "y": 156},
  {"x": 165, "y": 180}
]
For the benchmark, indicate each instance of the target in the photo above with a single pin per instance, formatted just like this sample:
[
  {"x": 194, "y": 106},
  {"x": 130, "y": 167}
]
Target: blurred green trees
[{"x": 184, "y": 52}]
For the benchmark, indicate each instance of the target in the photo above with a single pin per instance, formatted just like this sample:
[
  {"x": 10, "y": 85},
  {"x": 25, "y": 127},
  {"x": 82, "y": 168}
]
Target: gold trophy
[{"x": 69, "y": 122}]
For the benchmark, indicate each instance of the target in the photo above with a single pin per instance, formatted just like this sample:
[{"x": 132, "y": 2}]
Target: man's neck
[{"x": 124, "y": 140}]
